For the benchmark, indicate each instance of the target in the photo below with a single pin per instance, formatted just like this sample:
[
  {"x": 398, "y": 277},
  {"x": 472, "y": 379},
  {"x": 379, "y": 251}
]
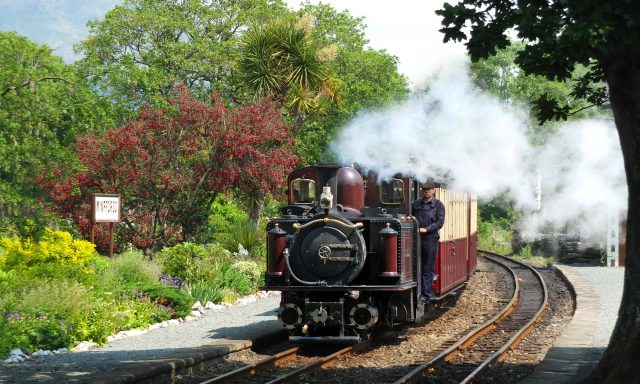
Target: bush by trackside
[
  {"x": 176, "y": 302},
  {"x": 193, "y": 263}
]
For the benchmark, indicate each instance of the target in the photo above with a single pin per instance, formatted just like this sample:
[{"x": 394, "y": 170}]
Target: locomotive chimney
[{"x": 326, "y": 198}]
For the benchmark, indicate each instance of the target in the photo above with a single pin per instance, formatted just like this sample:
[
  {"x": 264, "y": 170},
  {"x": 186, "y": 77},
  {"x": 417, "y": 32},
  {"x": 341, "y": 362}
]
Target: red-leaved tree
[{"x": 170, "y": 164}]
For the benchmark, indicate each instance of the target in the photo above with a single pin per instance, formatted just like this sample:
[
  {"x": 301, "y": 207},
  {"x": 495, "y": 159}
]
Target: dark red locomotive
[{"x": 345, "y": 252}]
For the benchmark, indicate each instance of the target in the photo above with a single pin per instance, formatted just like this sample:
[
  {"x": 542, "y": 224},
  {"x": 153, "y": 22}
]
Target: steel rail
[
  {"x": 293, "y": 376},
  {"x": 248, "y": 370},
  {"x": 446, "y": 355},
  {"x": 522, "y": 332}
]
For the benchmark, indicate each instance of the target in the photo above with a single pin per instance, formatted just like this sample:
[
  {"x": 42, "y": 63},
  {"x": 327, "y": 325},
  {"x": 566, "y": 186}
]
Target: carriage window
[
  {"x": 303, "y": 191},
  {"x": 392, "y": 192}
]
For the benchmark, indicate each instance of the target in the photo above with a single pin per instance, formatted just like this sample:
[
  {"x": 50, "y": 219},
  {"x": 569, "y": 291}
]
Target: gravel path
[{"x": 608, "y": 283}]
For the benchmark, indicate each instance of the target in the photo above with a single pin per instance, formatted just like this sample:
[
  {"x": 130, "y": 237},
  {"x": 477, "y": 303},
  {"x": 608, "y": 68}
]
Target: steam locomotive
[{"x": 345, "y": 252}]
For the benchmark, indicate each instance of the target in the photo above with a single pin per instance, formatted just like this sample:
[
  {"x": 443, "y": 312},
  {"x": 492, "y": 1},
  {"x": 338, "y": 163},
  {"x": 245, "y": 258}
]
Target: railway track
[
  {"x": 463, "y": 359},
  {"x": 473, "y": 353},
  {"x": 285, "y": 367}
]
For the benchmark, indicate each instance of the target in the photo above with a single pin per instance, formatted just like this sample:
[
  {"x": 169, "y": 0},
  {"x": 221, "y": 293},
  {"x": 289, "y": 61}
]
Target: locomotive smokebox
[
  {"x": 350, "y": 188},
  {"x": 389, "y": 248},
  {"x": 276, "y": 245}
]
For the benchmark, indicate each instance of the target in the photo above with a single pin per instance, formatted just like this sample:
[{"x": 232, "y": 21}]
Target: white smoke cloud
[{"x": 466, "y": 137}]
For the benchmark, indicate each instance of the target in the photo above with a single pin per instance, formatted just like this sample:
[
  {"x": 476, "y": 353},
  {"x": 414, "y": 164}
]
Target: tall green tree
[
  {"x": 559, "y": 35},
  {"x": 143, "y": 49},
  {"x": 44, "y": 104},
  {"x": 369, "y": 78}
]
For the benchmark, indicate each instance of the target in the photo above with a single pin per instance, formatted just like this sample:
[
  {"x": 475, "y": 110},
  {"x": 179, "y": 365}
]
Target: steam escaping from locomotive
[{"x": 468, "y": 138}]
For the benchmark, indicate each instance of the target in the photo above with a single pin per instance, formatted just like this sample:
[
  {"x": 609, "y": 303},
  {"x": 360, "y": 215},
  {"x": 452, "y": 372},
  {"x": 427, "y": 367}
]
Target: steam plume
[{"x": 468, "y": 138}]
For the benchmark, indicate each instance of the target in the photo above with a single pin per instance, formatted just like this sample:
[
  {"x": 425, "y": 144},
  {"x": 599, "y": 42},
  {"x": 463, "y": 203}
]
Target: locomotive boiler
[{"x": 345, "y": 252}]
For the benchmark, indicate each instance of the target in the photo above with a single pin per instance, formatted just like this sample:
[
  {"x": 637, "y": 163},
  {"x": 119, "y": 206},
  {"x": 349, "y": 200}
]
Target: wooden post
[
  {"x": 111, "y": 240},
  {"x": 93, "y": 232}
]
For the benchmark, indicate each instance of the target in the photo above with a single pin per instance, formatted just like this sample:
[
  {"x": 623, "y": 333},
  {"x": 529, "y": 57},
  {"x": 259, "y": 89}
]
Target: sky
[{"x": 408, "y": 29}]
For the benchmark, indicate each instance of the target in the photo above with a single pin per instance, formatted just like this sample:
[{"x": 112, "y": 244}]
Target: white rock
[
  {"x": 16, "y": 356},
  {"x": 40, "y": 352},
  {"x": 211, "y": 305},
  {"x": 173, "y": 322},
  {"x": 198, "y": 306},
  {"x": 196, "y": 314},
  {"x": 84, "y": 346},
  {"x": 60, "y": 351},
  {"x": 134, "y": 332}
]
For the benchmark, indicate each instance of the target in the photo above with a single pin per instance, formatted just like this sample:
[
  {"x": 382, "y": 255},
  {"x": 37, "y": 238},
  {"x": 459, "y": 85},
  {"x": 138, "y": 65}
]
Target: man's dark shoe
[{"x": 423, "y": 299}]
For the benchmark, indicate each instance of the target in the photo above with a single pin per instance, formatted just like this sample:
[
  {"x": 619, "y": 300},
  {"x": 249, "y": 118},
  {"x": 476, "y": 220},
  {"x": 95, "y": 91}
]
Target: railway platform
[{"x": 598, "y": 291}]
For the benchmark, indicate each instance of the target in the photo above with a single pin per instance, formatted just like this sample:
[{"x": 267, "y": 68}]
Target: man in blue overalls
[{"x": 430, "y": 214}]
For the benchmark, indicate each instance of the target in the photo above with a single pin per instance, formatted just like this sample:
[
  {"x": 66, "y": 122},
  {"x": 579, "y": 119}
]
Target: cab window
[
  {"x": 303, "y": 191},
  {"x": 392, "y": 191}
]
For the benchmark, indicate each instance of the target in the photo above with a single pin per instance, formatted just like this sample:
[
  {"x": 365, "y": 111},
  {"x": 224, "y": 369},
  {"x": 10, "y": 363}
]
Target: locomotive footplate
[{"x": 337, "y": 288}]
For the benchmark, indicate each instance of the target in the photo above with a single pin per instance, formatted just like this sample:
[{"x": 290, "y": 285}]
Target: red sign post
[{"x": 105, "y": 208}]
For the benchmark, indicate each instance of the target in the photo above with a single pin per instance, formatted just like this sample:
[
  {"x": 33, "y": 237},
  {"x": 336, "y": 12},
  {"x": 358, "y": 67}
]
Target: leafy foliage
[
  {"x": 282, "y": 58},
  {"x": 175, "y": 301},
  {"x": 143, "y": 49},
  {"x": 129, "y": 267},
  {"x": 205, "y": 292},
  {"x": 368, "y": 79},
  {"x": 558, "y": 38},
  {"x": 171, "y": 163},
  {"x": 242, "y": 233},
  {"x": 250, "y": 271},
  {"x": 44, "y": 105},
  {"x": 193, "y": 262},
  {"x": 55, "y": 247}
]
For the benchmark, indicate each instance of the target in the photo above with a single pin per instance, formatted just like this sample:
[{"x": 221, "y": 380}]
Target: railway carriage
[{"x": 345, "y": 252}]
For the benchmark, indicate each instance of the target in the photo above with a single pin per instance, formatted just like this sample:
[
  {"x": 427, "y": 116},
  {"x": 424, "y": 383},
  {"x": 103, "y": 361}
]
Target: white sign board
[{"x": 106, "y": 208}]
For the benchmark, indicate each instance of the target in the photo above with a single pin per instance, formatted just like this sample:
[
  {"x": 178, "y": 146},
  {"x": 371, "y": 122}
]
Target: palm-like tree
[{"x": 282, "y": 59}]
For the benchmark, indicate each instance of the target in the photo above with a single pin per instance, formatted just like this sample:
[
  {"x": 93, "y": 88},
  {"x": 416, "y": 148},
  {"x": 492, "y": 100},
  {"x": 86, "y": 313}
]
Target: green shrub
[
  {"x": 243, "y": 233},
  {"x": 55, "y": 248},
  {"x": 224, "y": 212},
  {"x": 236, "y": 281},
  {"x": 204, "y": 292},
  {"x": 492, "y": 237},
  {"x": 193, "y": 263},
  {"x": 242, "y": 277},
  {"x": 129, "y": 267},
  {"x": 250, "y": 270},
  {"x": 177, "y": 302}
]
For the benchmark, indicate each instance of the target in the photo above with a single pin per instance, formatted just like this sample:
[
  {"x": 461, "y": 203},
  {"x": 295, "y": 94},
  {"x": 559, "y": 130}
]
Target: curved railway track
[
  {"x": 469, "y": 356},
  {"x": 461, "y": 361}
]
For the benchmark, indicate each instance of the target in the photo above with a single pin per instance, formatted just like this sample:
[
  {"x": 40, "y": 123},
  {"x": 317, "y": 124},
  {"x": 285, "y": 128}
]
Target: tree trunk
[
  {"x": 257, "y": 203},
  {"x": 620, "y": 361}
]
